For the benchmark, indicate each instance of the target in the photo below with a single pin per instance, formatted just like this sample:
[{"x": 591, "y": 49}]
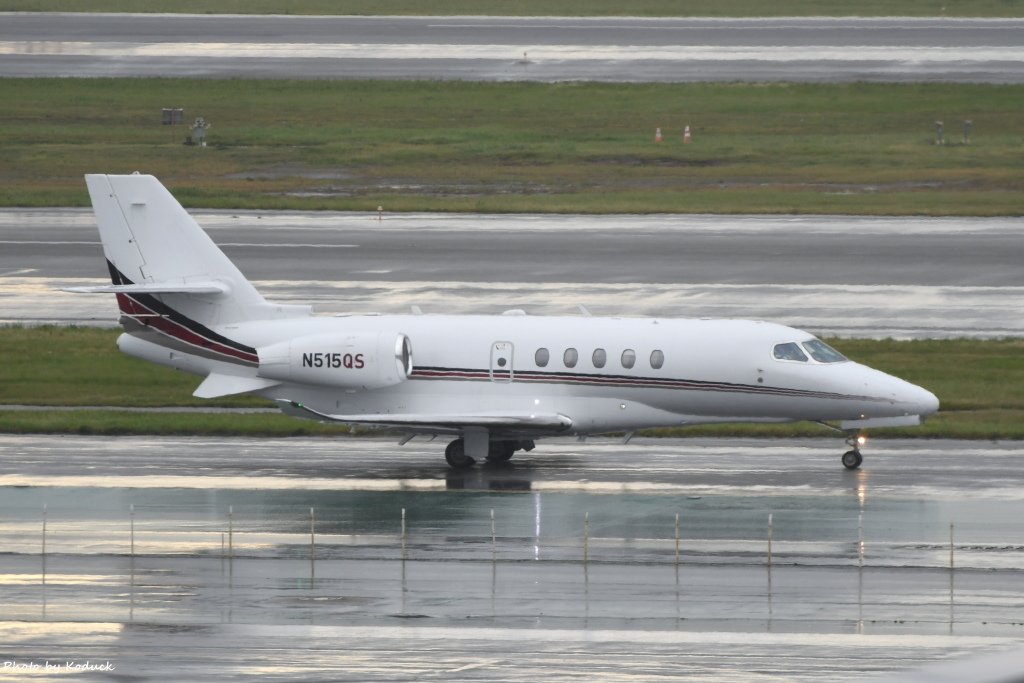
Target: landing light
[{"x": 861, "y": 440}]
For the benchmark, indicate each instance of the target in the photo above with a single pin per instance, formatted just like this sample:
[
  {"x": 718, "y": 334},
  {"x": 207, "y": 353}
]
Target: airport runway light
[{"x": 938, "y": 133}]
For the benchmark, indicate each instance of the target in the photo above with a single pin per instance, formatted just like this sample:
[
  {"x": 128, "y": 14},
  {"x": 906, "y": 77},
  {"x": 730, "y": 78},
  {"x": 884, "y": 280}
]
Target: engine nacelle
[{"x": 346, "y": 361}]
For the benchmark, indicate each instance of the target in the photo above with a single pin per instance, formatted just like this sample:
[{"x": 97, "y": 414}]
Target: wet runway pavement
[
  {"x": 514, "y": 48},
  {"x": 578, "y": 576},
  {"x": 846, "y": 276}
]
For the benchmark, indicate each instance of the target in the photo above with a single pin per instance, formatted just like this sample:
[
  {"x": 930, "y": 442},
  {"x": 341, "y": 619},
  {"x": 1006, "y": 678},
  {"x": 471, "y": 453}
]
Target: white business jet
[{"x": 494, "y": 383}]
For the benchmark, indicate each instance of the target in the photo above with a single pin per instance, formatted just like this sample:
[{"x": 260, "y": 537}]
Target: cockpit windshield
[
  {"x": 822, "y": 352},
  {"x": 789, "y": 351},
  {"x": 799, "y": 352}
]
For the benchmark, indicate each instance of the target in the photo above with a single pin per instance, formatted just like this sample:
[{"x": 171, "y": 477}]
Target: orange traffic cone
[
  {"x": 657, "y": 134},
  {"x": 686, "y": 135}
]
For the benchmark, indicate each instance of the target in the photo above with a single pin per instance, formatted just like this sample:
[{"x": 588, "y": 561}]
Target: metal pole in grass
[
  {"x": 586, "y": 537},
  {"x": 44, "y": 536},
  {"x": 231, "y": 532},
  {"x": 131, "y": 515},
  {"x": 770, "y": 531}
]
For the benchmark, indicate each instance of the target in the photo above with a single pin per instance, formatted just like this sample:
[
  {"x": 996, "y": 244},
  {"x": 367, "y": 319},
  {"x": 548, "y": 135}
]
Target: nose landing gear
[{"x": 852, "y": 459}]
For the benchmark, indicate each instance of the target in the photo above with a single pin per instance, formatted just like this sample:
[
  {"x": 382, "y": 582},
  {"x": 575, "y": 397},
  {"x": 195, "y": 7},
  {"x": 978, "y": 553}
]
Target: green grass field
[
  {"x": 641, "y": 8},
  {"x": 980, "y": 384},
  {"x": 523, "y": 147}
]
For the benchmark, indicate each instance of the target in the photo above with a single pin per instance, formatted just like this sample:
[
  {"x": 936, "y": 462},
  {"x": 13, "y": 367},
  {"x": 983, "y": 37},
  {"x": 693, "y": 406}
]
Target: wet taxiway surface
[
  {"x": 191, "y": 558},
  {"x": 514, "y": 48},
  {"x": 850, "y": 276}
]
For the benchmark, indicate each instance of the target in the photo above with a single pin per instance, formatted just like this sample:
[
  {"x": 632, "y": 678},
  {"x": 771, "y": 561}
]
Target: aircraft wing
[{"x": 429, "y": 422}]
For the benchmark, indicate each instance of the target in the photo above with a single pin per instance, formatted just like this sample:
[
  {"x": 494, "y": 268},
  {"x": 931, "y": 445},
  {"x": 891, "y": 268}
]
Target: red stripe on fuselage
[{"x": 175, "y": 330}]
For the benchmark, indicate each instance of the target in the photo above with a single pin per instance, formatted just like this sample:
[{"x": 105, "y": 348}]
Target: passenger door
[{"x": 501, "y": 361}]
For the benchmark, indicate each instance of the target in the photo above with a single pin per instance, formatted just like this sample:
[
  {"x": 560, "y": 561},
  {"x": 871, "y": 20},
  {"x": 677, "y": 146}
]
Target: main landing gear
[
  {"x": 852, "y": 459},
  {"x": 497, "y": 452}
]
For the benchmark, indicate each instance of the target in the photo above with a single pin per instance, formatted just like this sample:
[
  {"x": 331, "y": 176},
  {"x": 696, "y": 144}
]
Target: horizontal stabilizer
[
  {"x": 903, "y": 421},
  {"x": 217, "y": 384},
  {"x": 444, "y": 422},
  {"x": 154, "y": 288}
]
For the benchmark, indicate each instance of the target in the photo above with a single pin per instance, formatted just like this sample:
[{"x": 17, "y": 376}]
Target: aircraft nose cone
[{"x": 923, "y": 401}]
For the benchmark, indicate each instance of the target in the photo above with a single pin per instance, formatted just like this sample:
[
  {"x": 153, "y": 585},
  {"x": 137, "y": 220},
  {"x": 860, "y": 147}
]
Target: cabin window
[
  {"x": 541, "y": 358},
  {"x": 570, "y": 357},
  {"x": 600, "y": 358},
  {"x": 657, "y": 359},
  {"x": 822, "y": 352},
  {"x": 628, "y": 358},
  {"x": 789, "y": 351}
]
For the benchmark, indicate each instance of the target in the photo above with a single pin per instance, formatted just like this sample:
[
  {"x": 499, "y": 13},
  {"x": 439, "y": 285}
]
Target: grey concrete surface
[
  {"x": 850, "y": 276},
  {"x": 516, "y": 48},
  {"x": 195, "y": 602}
]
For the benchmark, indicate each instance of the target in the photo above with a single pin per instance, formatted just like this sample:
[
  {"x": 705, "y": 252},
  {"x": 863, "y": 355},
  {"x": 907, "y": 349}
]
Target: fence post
[
  {"x": 312, "y": 534},
  {"x": 403, "y": 535},
  {"x": 951, "y": 565},
  {"x": 860, "y": 540},
  {"x": 586, "y": 538},
  {"x": 677, "y": 540}
]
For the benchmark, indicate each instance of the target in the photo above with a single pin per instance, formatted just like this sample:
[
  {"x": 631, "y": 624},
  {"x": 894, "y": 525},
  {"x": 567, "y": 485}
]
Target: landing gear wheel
[
  {"x": 500, "y": 451},
  {"x": 456, "y": 456},
  {"x": 852, "y": 459}
]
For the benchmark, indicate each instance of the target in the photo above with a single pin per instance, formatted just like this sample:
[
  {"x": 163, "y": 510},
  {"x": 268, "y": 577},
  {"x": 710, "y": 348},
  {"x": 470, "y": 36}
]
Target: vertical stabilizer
[{"x": 151, "y": 241}]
